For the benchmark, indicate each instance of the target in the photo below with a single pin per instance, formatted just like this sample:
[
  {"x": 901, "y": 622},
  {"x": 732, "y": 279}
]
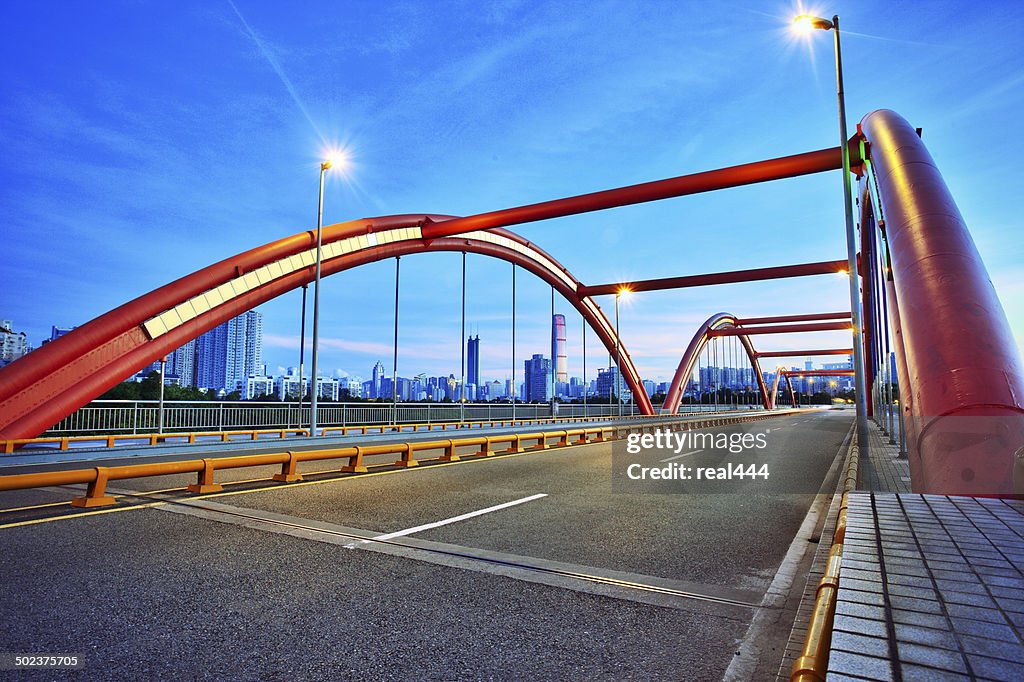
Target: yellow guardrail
[
  {"x": 812, "y": 664},
  {"x": 98, "y": 477},
  {"x": 64, "y": 442}
]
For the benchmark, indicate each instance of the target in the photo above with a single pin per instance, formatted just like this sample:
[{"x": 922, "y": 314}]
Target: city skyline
[{"x": 108, "y": 155}]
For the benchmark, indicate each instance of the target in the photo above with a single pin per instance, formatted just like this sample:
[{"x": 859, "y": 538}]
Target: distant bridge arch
[{"x": 684, "y": 371}]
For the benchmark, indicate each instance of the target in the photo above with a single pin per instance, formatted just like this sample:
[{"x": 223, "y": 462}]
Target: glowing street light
[
  {"x": 808, "y": 23},
  {"x": 330, "y": 162}
]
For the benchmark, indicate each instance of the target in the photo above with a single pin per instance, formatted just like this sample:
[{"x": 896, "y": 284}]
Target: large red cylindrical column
[{"x": 964, "y": 370}]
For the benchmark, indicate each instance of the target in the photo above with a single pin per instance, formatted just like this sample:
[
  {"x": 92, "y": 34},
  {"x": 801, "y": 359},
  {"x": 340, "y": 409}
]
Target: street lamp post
[
  {"x": 618, "y": 353},
  {"x": 163, "y": 369},
  {"x": 302, "y": 356},
  {"x": 324, "y": 167},
  {"x": 860, "y": 385}
]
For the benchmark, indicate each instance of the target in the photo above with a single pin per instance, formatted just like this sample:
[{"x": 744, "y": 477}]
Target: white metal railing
[{"x": 143, "y": 416}]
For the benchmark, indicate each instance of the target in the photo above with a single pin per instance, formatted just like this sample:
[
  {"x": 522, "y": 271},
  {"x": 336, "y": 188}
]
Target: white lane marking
[
  {"x": 685, "y": 454},
  {"x": 445, "y": 522}
]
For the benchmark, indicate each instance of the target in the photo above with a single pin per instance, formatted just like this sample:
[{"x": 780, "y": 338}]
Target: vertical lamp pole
[
  {"x": 515, "y": 384},
  {"x": 394, "y": 368},
  {"x": 316, "y": 300},
  {"x": 302, "y": 356},
  {"x": 618, "y": 351},
  {"x": 463, "y": 343},
  {"x": 163, "y": 367},
  {"x": 584, "y": 367},
  {"x": 809, "y": 22}
]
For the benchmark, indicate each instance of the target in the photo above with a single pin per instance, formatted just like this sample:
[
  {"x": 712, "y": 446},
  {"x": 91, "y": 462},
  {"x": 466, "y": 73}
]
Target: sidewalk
[{"x": 931, "y": 587}]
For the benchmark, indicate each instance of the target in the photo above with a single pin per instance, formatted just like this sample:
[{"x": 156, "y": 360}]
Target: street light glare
[
  {"x": 805, "y": 23},
  {"x": 335, "y": 159}
]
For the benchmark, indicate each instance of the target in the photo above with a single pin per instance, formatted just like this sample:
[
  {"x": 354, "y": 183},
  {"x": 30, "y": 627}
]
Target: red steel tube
[
  {"x": 967, "y": 387},
  {"x": 797, "y": 353},
  {"x": 829, "y": 267},
  {"x": 735, "y": 176},
  {"x": 809, "y": 317},
  {"x": 781, "y": 329}
]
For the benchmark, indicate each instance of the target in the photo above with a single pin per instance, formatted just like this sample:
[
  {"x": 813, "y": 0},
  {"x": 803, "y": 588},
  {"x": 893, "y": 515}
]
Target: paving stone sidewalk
[{"x": 931, "y": 587}]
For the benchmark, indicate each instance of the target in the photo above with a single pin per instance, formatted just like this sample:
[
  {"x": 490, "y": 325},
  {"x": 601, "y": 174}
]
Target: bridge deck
[{"x": 296, "y": 581}]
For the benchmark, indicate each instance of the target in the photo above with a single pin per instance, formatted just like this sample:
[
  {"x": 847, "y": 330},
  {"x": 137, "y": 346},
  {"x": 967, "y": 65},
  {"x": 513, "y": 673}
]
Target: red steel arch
[
  {"x": 960, "y": 373},
  {"x": 39, "y": 389},
  {"x": 685, "y": 369}
]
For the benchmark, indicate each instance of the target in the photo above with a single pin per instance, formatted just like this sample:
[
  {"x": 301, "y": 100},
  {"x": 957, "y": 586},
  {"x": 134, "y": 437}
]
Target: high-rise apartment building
[
  {"x": 608, "y": 384},
  {"x": 12, "y": 344},
  {"x": 538, "y": 384},
  {"x": 182, "y": 364},
  {"x": 230, "y": 352}
]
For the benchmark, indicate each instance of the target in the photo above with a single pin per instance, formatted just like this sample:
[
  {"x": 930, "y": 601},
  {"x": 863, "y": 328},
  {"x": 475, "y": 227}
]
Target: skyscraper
[
  {"x": 378, "y": 376},
  {"x": 559, "y": 359},
  {"x": 538, "y": 384},
  {"x": 473, "y": 361}
]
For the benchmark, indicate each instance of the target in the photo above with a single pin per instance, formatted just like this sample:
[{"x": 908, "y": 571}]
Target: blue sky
[{"x": 142, "y": 141}]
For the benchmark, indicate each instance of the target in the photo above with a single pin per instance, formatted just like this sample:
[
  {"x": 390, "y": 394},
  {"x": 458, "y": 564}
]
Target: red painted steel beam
[
  {"x": 781, "y": 329},
  {"x": 829, "y": 267},
  {"x": 818, "y": 372},
  {"x": 809, "y": 317},
  {"x": 797, "y": 353},
  {"x": 696, "y": 183},
  {"x": 967, "y": 388}
]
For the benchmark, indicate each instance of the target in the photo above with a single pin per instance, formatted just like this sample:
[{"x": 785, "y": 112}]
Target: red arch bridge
[{"x": 927, "y": 301}]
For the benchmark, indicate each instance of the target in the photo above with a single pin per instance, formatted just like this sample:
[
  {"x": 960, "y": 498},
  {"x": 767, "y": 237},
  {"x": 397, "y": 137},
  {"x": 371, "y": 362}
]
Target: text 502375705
[{"x": 41, "y": 661}]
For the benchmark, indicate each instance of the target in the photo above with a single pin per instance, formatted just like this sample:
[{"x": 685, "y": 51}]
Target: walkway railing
[{"x": 143, "y": 416}]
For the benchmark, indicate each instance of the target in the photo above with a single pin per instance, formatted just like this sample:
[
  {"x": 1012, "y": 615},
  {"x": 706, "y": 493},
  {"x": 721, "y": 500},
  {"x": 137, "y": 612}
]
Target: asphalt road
[{"x": 565, "y": 579}]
